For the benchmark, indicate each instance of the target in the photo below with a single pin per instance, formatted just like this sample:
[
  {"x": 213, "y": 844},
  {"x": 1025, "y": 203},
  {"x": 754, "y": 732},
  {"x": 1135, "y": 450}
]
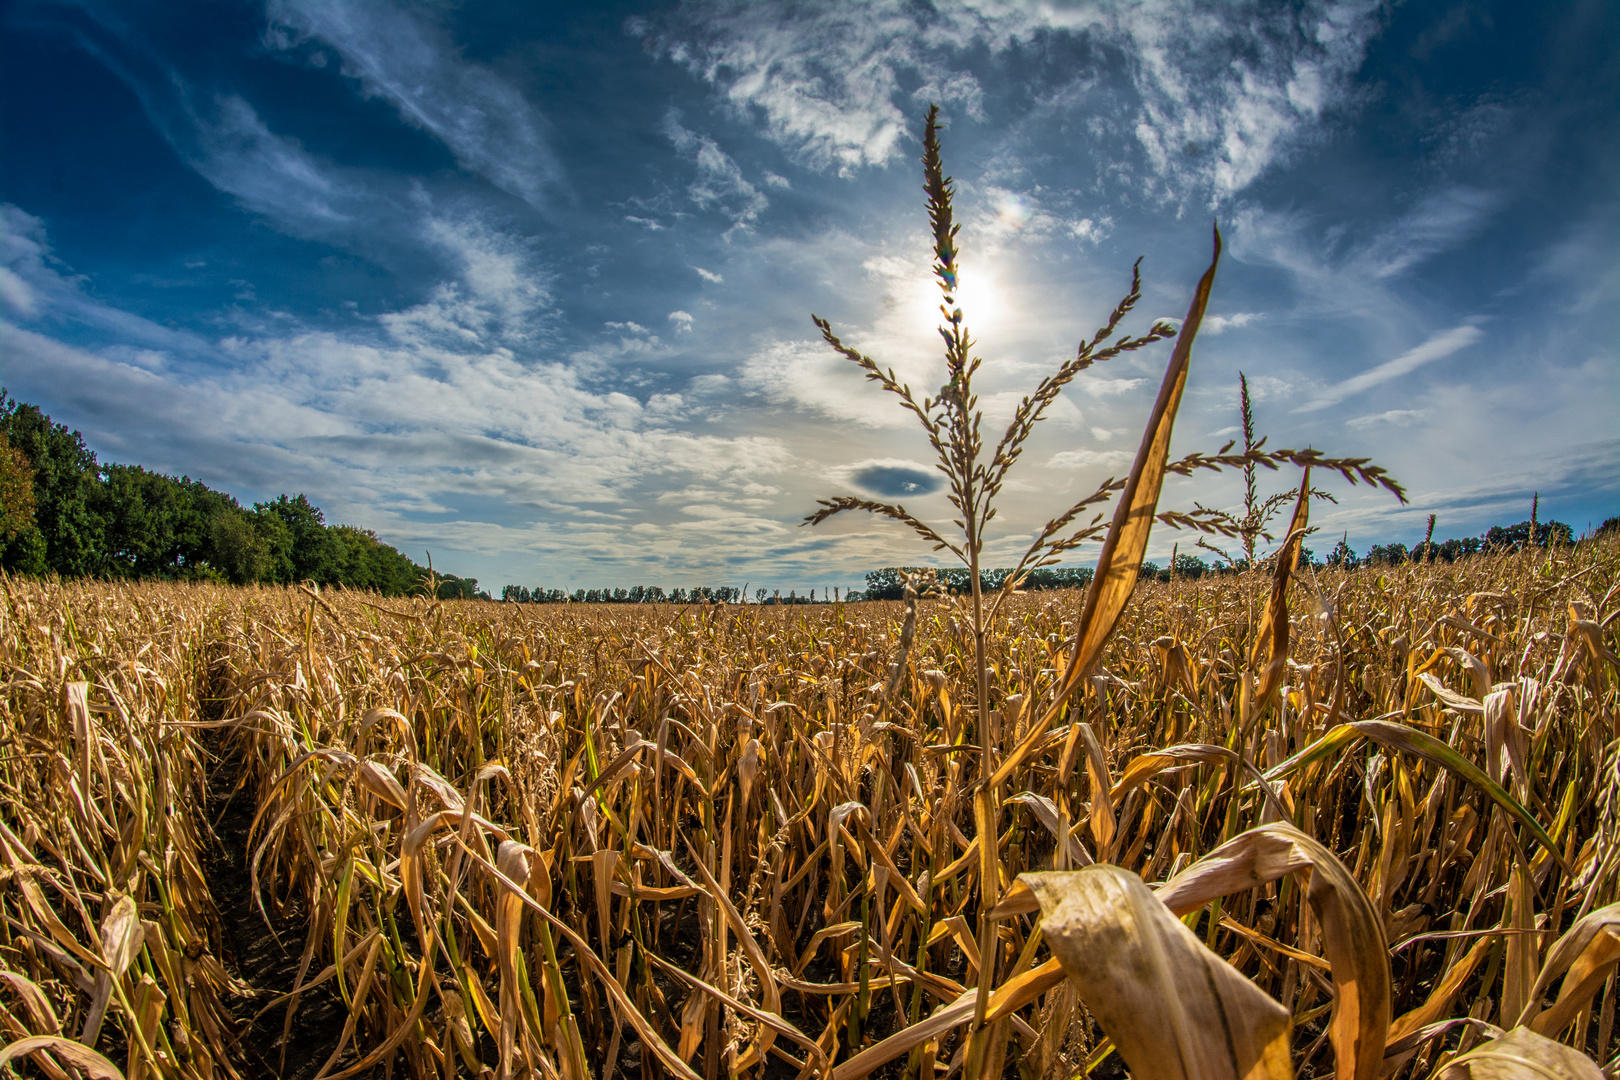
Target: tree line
[
  {"x": 63, "y": 512},
  {"x": 888, "y": 583},
  {"x": 638, "y": 594}
]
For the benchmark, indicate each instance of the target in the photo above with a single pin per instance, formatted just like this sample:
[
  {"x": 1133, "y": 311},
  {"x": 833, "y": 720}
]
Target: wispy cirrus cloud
[
  {"x": 1390, "y": 417},
  {"x": 1439, "y": 222},
  {"x": 401, "y": 57},
  {"x": 720, "y": 184},
  {"x": 1437, "y": 347},
  {"x": 219, "y": 134},
  {"x": 1219, "y": 92}
]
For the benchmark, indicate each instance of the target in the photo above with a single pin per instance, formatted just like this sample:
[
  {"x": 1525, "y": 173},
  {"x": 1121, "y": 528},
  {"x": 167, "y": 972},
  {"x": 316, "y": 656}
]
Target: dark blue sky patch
[{"x": 896, "y": 481}]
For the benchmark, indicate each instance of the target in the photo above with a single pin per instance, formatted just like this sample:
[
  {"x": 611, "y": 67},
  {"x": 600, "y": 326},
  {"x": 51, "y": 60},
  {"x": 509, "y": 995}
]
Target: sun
[{"x": 977, "y": 296}]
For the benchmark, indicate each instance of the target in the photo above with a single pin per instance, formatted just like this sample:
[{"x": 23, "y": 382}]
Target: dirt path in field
[{"x": 265, "y": 956}]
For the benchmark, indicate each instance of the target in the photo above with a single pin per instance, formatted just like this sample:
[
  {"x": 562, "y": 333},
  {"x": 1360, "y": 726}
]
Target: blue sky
[{"x": 529, "y": 285}]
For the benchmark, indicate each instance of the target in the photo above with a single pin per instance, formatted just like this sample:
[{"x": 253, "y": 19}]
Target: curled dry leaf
[
  {"x": 1521, "y": 1054},
  {"x": 1588, "y": 952},
  {"x": 1144, "y": 767},
  {"x": 1352, "y": 934},
  {"x": 78, "y": 1055},
  {"x": 1174, "y": 1009}
]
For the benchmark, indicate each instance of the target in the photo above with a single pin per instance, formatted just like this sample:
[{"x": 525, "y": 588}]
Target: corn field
[
  {"x": 632, "y": 841},
  {"x": 1261, "y": 825}
]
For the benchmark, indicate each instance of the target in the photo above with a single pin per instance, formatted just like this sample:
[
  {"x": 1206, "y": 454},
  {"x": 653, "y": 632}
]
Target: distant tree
[
  {"x": 1388, "y": 554},
  {"x": 240, "y": 552},
  {"x": 1058, "y": 577},
  {"x": 125, "y": 521},
  {"x": 1190, "y": 566},
  {"x": 888, "y": 583},
  {"x": 1514, "y": 537},
  {"x": 143, "y": 515},
  {"x": 362, "y": 561},
  {"x": 759, "y": 596},
  {"x": 457, "y": 588},
  {"x": 302, "y": 550},
  {"x": 16, "y": 492},
  {"x": 1452, "y": 550},
  {"x": 69, "y": 531}
]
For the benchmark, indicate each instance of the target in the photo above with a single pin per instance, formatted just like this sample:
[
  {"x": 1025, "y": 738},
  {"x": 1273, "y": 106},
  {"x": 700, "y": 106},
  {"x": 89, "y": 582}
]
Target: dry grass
[{"x": 731, "y": 847}]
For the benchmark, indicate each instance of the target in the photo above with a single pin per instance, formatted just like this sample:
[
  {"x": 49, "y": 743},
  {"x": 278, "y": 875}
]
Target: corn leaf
[
  {"x": 1174, "y": 1009},
  {"x": 1521, "y": 1054}
]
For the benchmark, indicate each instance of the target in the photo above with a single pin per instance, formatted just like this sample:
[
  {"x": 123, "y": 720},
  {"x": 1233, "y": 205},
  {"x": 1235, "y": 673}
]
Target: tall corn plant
[{"x": 953, "y": 423}]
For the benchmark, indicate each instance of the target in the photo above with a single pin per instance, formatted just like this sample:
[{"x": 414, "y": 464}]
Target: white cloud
[
  {"x": 485, "y": 121},
  {"x": 1435, "y": 348},
  {"x": 720, "y": 184},
  {"x": 1106, "y": 388},
  {"x": 708, "y": 275},
  {"x": 823, "y": 78},
  {"x": 493, "y": 266},
  {"x": 1217, "y": 324},
  {"x": 681, "y": 320},
  {"x": 1437, "y": 223},
  {"x": 1091, "y": 231},
  {"x": 1220, "y": 92},
  {"x": 16, "y": 293},
  {"x": 809, "y": 376},
  {"x": 1391, "y": 417},
  {"x": 1086, "y": 459}
]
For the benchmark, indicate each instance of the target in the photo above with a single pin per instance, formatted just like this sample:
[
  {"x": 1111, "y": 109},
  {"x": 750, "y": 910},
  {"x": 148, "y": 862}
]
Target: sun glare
[{"x": 977, "y": 296}]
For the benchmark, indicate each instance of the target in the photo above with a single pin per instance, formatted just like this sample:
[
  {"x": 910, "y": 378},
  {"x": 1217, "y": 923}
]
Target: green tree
[
  {"x": 61, "y": 512},
  {"x": 300, "y": 549},
  {"x": 142, "y": 514},
  {"x": 365, "y": 562},
  {"x": 22, "y": 545},
  {"x": 16, "y": 492},
  {"x": 238, "y": 550},
  {"x": 69, "y": 540},
  {"x": 456, "y": 588}
]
